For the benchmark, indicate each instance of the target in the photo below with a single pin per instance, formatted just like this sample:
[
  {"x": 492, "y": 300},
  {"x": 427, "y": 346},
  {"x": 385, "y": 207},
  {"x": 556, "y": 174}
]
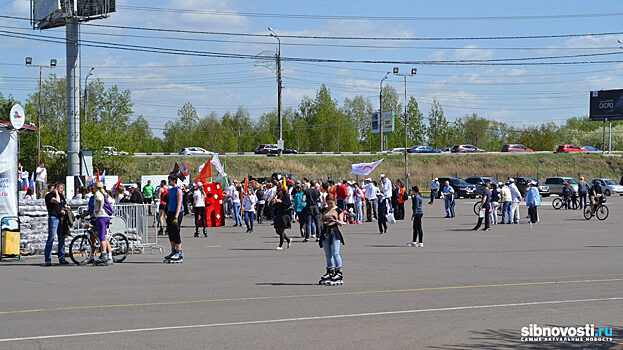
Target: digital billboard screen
[{"x": 606, "y": 104}]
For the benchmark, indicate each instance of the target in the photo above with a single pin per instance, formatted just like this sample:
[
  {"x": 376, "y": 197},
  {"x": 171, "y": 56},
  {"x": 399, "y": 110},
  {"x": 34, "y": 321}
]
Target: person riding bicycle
[
  {"x": 566, "y": 196},
  {"x": 595, "y": 194}
]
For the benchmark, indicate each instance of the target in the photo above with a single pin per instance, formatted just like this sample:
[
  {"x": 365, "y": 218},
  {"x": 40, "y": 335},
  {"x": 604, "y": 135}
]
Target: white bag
[
  {"x": 390, "y": 218},
  {"x": 481, "y": 213}
]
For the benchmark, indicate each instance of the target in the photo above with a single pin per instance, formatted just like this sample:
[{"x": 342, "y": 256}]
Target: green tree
[
  {"x": 359, "y": 110},
  {"x": 438, "y": 133}
]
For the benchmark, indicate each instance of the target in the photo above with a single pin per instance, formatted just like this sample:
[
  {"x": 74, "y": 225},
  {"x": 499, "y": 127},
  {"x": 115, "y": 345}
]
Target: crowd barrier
[{"x": 135, "y": 216}]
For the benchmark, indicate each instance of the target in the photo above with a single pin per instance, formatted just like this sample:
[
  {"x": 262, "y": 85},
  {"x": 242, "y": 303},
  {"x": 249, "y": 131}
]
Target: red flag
[
  {"x": 98, "y": 175},
  {"x": 246, "y": 184},
  {"x": 116, "y": 185},
  {"x": 205, "y": 174}
]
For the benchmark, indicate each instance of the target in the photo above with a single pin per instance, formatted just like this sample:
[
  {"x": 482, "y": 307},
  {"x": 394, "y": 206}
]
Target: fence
[{"x": 135, "y": 216}]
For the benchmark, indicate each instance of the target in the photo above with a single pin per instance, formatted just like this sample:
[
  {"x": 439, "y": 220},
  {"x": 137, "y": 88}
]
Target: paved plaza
[{"x": 464, "y": 290}]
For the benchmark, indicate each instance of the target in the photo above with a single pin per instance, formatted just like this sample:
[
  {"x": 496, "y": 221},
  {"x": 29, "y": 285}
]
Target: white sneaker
[
  {"x": 411, "y": 244},
  {"x": 420, "y": 245},
  {"x": 279, "y": 248}
]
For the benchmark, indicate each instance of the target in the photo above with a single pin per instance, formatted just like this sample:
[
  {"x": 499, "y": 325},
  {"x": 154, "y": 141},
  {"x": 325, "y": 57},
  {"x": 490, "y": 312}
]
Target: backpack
[
  {"x": 405, "y": 196},
  {"x": 107, "y": 206}
]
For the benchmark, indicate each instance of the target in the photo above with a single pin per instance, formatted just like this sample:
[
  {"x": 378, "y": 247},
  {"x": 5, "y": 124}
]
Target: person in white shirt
[
  {"x": 350, "y": 198},
  {"x": 41, "y": 180},
  {"x": 516, "y": 195},
  {"x": 358, "y": 199},
  {"x": 370, "y": 200},
  {"x": 248, "y": 205},
  {"x": 229, "y": 205},
  {"x": 386, "y": 189},
  {"x": 434, "y": 188},
  {"x": 199, "y": 208},
  {"x": 235, "y": 199}
]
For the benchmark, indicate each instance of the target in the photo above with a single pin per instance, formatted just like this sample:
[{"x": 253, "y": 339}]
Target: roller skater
[{"x": 330, "y": 240}]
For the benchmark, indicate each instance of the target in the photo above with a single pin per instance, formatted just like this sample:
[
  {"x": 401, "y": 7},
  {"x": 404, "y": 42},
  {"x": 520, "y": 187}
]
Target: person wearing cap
[
  {"x": 533, "y": 201},
  {"x": 383, "y": 210},
  {"x": 371, "y": 200},
  {"x": 199, "y": 208},
  {"x": 516, "y": 199},
  {"x": 434, "y": 188},
  {"x": 566, "y": 196},
  {"x": 507, "y": 200},
  {"x": 386, "y": 188}
]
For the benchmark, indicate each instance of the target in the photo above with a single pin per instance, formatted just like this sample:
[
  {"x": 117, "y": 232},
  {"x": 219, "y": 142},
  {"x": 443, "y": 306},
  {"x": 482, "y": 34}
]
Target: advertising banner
[
  {"x": 606, "y": 104},
  {"x": 8, "y": 173}
]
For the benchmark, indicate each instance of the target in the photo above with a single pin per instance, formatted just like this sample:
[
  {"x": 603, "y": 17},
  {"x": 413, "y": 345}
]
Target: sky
[{"x": 162, "y": 83}]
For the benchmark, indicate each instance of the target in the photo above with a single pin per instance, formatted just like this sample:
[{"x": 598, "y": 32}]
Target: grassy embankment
[{"x": 421, "y": 168}]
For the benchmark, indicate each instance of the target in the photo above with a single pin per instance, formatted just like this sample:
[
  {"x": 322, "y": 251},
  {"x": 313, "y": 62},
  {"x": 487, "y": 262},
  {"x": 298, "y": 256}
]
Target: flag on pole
[
  {"x": 81, "y": 183},
  {"x": 98, "y": 175},
  {"x": 217, "y": 164},
  {"x": 178, "y": 172},
  {"x": 186, "y": 169},
  {"x": 246, "y": 184},
  {"x": 205, "y": 173},
  {"x": 285, "y": 184},
  {"x": 32, "y": 181},
  {"x": 114, "y": 188},
  {"x": 104, "y": 177},
  {"x": 90, "y": 180},
  {"x": 364, "y": 168}
]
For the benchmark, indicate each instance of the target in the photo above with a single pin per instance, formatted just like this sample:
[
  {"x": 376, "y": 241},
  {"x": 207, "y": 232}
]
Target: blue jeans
[
  {"x": 237, "y": 213},
  {"x": 248, "y": 219},
  {"x": 359, "y": 211},
  {"x": 54, "y": 228},
  {"x": 448, "y": 203},
  {"x": 506, "y": 212},
  {"x": 331, "y": 246},
  {"x": 583, "y": 200}
]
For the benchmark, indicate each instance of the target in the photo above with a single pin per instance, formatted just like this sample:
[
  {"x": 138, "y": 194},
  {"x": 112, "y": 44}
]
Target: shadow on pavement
[
  {"x": 251, "y": 249},
  {"x": 285, "y": 284},
  {"x": 511, "y": 339}
]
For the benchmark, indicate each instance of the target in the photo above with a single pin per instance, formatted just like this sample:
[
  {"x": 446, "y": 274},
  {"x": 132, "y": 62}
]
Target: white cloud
[{"x": 472, "y": 52}]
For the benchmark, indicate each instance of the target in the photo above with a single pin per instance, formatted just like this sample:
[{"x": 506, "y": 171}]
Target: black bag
[{"x": 405, "y": 196}]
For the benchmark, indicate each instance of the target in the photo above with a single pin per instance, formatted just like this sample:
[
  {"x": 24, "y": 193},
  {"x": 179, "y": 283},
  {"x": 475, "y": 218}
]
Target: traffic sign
[{"x": 17, "y": 116}]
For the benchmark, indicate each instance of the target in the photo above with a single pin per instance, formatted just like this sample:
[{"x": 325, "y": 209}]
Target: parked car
[
  {"x": 522, "y": 181},
  {"x": 557, "y": 183},
  {"x": 195, "y": 151},
  {"x": 465, "y": 149},
  {"x": 609, "y": 186},
  {"x": 285, "y": 151},
  {"x": 569, "y": 148},
  {"x": 591, "y": 148},
  {"x": 422, "y": 149},
  {"x": 113, "y": 151},
  {"x": 51, "y": 151},
  {"x": 479, "y": 180},
  {"x": 445, "y": 150},
  {"x": 265, "y": 148},
  {"x": 461, "y": 188},
  {"x": 397, "y": 150},
  {"x": 515, "y": 147}
]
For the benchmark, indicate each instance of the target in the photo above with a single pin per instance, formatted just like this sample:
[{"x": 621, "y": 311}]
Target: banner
[
  {"x": 217, "y": 164},
  {"x": 8, "y": 173},
  {"x": 364, "y": 168}
]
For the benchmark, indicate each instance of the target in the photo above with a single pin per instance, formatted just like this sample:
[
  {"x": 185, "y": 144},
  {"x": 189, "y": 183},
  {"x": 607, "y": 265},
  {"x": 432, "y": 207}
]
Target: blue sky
[{"x": 160, "y": 84}]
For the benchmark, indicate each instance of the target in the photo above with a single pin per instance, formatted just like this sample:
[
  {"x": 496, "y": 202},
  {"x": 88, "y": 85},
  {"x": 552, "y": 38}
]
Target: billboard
[
  {"x": 45, "y": 13},
  {"x": 388, "y": 122},
  {"x": 606, "y": 104},
  {"x": 92, "y": 8},
  {"x": 53, "y": 13}
]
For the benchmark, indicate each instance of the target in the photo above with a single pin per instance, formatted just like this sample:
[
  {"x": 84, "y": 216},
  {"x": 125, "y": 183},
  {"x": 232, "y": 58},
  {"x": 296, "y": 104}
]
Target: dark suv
[
  {"x": 479, "y": 180},
  {"x": 522, "y": 181},
  {"x": 461, "y": 188}
]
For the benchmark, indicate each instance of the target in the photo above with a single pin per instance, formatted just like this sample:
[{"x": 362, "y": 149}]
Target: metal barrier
[{"x": 135, "y": 216}]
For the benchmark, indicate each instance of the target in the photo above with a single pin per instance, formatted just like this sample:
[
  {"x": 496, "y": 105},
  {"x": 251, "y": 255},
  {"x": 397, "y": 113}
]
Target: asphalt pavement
[{"x": 463, "y": 290}]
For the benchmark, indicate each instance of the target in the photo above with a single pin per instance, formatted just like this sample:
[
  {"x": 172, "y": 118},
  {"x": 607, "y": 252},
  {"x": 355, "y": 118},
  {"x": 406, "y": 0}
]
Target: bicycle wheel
[
  {"x": 557, "y": 203},
  {"x": 119, "y": 247},
  {"x": 587, "y": 212},
  {"x": 602, "y": 212},
  {"x": 80, "y": 250},
  {"x": 477, "y": 208}
]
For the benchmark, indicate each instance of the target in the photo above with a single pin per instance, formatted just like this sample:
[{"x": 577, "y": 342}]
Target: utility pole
[
  {"x": 85, "y": 109},
  {"x": 40, "y": 66},
  {"x": 382, "y": 143},
  {"x": 413, "y": 72},
  {"x": 279, "y": 120},
  {"x": 72, "y": 46}
]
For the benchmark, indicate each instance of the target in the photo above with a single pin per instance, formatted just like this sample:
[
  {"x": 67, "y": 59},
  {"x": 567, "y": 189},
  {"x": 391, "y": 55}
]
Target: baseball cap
[
  {"x": 199, "y": 184},
  {"x": 382, "y": 175}
]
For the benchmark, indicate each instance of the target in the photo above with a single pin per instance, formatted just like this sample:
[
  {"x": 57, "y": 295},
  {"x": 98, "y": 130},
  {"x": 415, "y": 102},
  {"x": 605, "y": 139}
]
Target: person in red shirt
[{"x": 341, "y": 193}]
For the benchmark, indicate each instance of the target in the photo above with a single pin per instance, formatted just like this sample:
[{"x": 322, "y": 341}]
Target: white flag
[
  {"x": 217, "y": 164},
  {"x": 364, "y": 168}
]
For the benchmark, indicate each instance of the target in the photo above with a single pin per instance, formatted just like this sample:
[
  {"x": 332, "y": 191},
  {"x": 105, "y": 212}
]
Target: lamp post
[
  {"x": 382, "y": 143},
  {"x": 404, "y": 75},
  {"x": 279, "y": 121},
  {"x": 40, "y": 66}
]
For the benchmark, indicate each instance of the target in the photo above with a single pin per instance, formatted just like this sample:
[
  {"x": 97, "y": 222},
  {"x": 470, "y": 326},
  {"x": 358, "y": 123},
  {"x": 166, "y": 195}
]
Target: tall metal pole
[
  {"x": 73, "y": 97},
  {"x": 610, "y": 137},
  {"x": 603, "y": 145},
  {"x": 382, "y": 144},
  {"x": 406, "y": 172},
  {"x": 279, "y": 120}
]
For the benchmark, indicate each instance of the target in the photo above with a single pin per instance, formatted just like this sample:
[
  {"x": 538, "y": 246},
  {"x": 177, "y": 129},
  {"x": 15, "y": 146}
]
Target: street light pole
[
  {"x": 40, "y": 66},
  {"x": 382, "y": 143},
  {"x": 413, "y": 72},
  {"x": 279, "y": 121}
]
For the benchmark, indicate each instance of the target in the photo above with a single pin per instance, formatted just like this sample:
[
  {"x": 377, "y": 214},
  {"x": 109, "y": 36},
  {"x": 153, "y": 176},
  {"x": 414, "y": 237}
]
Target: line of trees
[{"x": 319, "y": 123}]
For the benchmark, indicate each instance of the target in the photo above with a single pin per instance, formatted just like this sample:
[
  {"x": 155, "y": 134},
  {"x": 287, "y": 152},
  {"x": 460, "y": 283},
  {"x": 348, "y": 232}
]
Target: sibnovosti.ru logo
[{"x": 586, "y": 333}]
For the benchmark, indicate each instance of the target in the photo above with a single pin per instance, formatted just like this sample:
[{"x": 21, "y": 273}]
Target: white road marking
[{"x": 311, "y": 318}]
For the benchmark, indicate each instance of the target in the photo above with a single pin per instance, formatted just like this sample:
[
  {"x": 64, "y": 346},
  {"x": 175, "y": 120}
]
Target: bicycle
[
  {"x": 559, "y": 202},
  {"x": 601, "y": 210},
  {"x": 478, "y": 204},
  {"x": 85, "y": 247}
]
